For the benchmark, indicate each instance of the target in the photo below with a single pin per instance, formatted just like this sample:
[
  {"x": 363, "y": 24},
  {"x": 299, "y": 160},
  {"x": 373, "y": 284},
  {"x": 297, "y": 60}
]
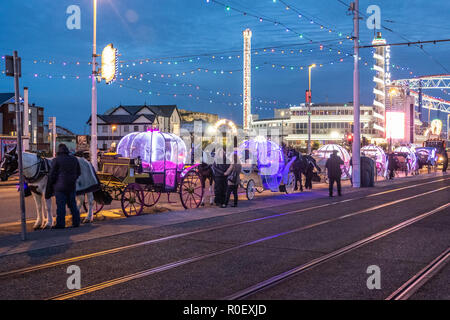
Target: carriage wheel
[
  {"x": 97, "y": 207},
  {"x": 131, "y": 200},
  {"x": 191, "y": 190},
  {"x": 150, "y": 197},
  {"x": 290, "y": 185},
  {"x": 250, "y": 190}
]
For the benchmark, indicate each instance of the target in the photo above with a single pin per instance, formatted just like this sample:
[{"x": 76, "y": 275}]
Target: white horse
[{"x": 36, "y": 175}]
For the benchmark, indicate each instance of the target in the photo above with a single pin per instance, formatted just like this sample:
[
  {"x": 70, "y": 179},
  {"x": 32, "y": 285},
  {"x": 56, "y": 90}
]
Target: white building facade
[
  {"x": 330, "y": 123},
  {"x": 122, "y": 120}
]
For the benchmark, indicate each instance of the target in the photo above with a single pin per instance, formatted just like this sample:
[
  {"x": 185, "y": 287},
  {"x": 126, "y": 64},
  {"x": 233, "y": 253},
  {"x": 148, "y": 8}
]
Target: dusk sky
[{"x": 173, "y": 37}]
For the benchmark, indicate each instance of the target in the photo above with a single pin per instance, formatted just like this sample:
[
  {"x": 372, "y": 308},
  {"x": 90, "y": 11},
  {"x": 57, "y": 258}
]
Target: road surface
[{"x": 367, "y": 244}]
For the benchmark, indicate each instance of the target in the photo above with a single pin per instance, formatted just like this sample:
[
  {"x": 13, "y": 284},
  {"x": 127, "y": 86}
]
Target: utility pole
[
  {"x": 26, "y": 126},
  {"x": 356, "y": 156},
  {"x": 309, "y": 102},
  {"x": 94, "y": 95},
  {"x": 13, "y": 68}
]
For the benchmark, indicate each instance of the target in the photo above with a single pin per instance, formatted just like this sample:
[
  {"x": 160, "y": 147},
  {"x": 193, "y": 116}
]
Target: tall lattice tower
[
  {"x": 382, "y": 79},
  {"x": 247, "y": 94}
]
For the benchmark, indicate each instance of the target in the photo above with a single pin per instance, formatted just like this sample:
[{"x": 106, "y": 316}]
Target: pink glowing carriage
[{"x": 146, "y": 165}]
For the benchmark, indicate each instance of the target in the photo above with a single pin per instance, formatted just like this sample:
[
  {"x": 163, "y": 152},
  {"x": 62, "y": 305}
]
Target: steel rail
[{"x": 422, "y": 277}]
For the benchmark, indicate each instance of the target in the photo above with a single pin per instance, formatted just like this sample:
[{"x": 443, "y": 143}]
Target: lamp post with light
[
  {"x": 94, "y": 144},
  {"x": 309, "y": 107}
]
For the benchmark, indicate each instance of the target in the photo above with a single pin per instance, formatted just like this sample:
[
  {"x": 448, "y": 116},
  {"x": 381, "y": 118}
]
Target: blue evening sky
[{"x": 182, "y": 36}]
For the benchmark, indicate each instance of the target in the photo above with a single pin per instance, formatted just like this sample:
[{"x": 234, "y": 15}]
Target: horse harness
[{"x": 43, "y": 169}]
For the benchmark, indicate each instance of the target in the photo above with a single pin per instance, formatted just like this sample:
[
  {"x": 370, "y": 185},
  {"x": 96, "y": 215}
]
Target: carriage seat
[
  {"x": 116, "y": 166},
  {"x": 161, "y": 168}
]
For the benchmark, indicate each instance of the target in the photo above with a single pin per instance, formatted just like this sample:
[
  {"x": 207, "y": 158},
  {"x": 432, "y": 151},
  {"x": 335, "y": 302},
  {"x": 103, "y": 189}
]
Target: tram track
[
  {"x": 421, "y": 278},
  {"x": 179, "y": 263},
  {"x": 22, "y": 271},
  {"x": 408, "y": 288}
]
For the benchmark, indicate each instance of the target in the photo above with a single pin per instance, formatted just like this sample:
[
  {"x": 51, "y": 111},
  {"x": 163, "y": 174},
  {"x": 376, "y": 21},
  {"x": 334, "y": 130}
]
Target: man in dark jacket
[
  {"x": 333, "y": 166},
  {"x": 63, "y": 176},
  {"x": 220, "y": 180},
  {"x": 310, "y": 164},
  {"x": 233, "y": 175},
  {"x": 392, "y": 165},
  {"x": 299, "y": 167}
]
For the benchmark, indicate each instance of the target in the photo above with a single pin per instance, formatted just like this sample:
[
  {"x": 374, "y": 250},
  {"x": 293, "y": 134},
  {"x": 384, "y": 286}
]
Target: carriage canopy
[
  {"x": 378, "y": 155},
  {"x": 158, "y": 151},
  {"x": 410, "y": 155},
  {"x": 324, "y": 152},
  {"x": 267, "y": 156}
]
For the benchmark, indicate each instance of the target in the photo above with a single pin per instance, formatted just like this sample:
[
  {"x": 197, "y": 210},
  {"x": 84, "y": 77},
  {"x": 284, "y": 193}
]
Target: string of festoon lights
[
  {"x": 198, "y": 87},
  {"x": 210, "y": 100},
  {"x": 263, "y": 18},
  {"x": 194, "y": 97},
  {"x": 301, "y": 15},
  {"x": 199, "y": 58},
  {"x": 258, "y": 67}
]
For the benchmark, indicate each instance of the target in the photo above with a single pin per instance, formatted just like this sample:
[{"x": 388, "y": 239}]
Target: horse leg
[
  {"x": 203, "y": 181},
  {"x": 90, "y": 216},
  {"x": 80, "y": 201},
  {"x": 39, "y": 216},
  {"x": 211, "y": 193},
  {"x": 47, "y": 211}
]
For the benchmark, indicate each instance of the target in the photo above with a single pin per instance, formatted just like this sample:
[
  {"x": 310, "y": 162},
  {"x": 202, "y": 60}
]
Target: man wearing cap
[{"x": 333, "y": 166}]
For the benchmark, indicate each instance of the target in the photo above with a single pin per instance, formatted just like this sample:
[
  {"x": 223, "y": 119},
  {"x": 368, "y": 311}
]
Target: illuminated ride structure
[
  {"x": 146, "y": 165},
  {"x": 264, "y": 167},
  {"x": 377, "y": 154},
  {"x": 435, "y": 141},
  {"x": 324, "y": 152},
  {"x": 416, "y": 85}
]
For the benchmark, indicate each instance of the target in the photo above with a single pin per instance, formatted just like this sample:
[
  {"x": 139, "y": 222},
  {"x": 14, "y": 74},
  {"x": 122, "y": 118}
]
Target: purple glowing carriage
[
  {"x": 264, "y": 167},
  {"x": 146, "y": 165}
]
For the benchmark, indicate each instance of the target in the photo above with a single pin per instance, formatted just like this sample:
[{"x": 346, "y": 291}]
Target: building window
[
  {"x": 136, "y": 128},
  {"x": 104, "y": 129},
  {"x": 126, "y": 128}
]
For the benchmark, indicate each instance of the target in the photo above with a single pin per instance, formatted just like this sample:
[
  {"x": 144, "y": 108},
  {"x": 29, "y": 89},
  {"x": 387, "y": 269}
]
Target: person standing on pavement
[
  {"x": 310, "y": 163},
  {"x": 333, "y": 166},
  {"x": 64, "y": 173},
  {"x": 299, "y": 168},
  {"x": 233, "y": 175},
  {"x": 445, "y": 162},
  {"x": 220, "y": 180},
  {"x": 392, "y": 165}
]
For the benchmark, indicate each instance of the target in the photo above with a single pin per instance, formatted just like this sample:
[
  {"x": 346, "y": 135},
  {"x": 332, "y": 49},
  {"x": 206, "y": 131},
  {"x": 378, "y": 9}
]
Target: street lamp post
[
  {"x": 356, "y": 149},
  {"x": 309, "y": 107},
  {"x": 94, "y": 144}
]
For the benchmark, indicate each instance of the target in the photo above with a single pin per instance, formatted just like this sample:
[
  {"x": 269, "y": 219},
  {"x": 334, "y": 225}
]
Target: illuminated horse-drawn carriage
[
  {"x": 378, "y": 155},
  {"x": 427, "y": 157},
  {"x": 146, "y": 165},
  {"x": 323, "y": 154},
  {"x": 406, "y": 160},
  {"x": 264, "y": 167}
]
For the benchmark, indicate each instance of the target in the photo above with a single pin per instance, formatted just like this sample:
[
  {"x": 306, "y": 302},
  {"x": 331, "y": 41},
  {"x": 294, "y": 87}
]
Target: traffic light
[
  {"x": 308, "y": 96},
  {"x": 350, "y": 138}
]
